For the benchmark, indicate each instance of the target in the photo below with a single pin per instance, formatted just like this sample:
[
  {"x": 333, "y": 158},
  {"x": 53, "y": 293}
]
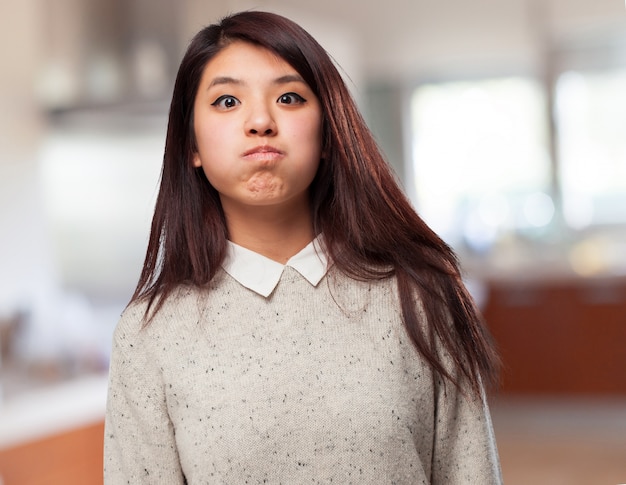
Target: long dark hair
[{"x": 369, "y": 227}]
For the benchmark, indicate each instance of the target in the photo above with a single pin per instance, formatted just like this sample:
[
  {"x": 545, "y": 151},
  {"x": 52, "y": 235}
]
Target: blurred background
[{"x": 505, "y": 121}]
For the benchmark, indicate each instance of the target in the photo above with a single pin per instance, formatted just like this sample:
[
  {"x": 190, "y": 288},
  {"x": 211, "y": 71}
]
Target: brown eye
[
  {"x": 226, "y": 102},
  {"x": 291, "y": 98}
]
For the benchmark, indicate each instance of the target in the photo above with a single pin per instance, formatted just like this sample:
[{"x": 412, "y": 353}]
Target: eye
[
  {"x": 226, "y": 102},
  {"x": 291, "y": 98}
]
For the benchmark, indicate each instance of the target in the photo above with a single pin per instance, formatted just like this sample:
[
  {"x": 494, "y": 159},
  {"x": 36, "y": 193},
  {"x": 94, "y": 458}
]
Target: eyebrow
[
  {"x": 224, "y": 80},
  {"x": 288, "y": 78}
]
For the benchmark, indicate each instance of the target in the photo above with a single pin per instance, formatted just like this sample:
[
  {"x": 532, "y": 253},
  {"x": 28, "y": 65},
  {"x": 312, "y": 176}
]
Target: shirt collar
[{"x": 261, "y": 274}]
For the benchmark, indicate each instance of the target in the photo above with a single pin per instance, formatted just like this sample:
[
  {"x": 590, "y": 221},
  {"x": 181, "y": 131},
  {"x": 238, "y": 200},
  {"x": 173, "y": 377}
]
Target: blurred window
[
  {"x": 590, "y": 115},
  {"x": 481, "y": 161}
]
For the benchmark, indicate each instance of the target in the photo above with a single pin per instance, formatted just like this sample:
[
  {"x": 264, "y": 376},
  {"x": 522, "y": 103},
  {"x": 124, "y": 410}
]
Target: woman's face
[{"x": 258, "y": 129}]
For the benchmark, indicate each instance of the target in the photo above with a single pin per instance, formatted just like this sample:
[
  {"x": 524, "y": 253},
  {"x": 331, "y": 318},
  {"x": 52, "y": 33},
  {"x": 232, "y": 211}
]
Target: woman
[{"x": 295, "y": 320}]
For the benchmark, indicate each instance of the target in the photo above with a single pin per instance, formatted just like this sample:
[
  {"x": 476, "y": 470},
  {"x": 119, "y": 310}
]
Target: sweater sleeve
[
  {"x": 464, "y": 451},
  {"x": 139, "y": 444}
]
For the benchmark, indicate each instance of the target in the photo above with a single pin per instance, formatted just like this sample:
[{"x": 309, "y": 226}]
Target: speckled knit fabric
[{"x": 310, "y": 385}]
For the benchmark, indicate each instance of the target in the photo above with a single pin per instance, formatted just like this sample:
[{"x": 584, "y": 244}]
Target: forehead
[{"x": 245, "y": 60}]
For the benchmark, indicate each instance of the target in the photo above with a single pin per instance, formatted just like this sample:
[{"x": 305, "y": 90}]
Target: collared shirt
[{"x": 261, "y": 274}]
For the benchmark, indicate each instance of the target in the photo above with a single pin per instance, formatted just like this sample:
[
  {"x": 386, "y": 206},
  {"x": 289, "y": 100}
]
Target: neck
[{"x": 275, "y": 233}]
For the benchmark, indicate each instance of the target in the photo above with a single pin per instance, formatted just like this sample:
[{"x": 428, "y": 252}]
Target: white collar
[{"x": 261, "y": 274}]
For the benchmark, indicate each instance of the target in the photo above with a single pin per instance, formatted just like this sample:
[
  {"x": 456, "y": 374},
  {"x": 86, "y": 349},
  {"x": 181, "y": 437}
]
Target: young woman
[{"x": 295, "y": 320}]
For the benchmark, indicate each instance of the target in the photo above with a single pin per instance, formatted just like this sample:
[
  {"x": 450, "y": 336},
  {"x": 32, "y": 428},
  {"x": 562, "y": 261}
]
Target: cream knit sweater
[{"x": 310, "y": 385}]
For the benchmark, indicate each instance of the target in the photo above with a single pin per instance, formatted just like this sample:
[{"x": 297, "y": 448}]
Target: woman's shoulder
[
  {"x": 145, "y": 316},
  {"x": 375, "y": 279}
]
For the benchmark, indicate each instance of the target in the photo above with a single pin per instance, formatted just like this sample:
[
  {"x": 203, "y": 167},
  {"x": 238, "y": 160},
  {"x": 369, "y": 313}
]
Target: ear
[{"x": 197, "y": 162}]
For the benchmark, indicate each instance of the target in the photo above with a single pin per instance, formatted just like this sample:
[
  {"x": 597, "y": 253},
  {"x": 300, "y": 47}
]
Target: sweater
[{"x": 312, "y": 384}]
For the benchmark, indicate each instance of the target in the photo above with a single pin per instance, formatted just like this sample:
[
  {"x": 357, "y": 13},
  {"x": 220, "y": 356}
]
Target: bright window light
[
  {"x": 591, "y": 120},
  {"x": 480, "y": 158}
]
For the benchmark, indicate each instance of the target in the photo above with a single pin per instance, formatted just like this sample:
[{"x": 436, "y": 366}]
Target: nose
[{"x": 260, "y": 121}]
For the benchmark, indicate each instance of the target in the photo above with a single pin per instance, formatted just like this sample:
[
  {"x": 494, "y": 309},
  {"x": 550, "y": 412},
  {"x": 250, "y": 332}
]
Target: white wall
[{"x": 26, "y": 262}]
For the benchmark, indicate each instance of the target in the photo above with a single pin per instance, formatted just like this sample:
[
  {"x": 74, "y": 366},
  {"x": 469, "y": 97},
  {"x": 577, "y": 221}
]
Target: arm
[
  {"x": 139, "y": 444},
  {"x": 464, "y": 451}
]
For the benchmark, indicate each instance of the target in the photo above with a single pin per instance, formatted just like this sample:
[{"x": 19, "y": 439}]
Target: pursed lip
[{"x": 262, "y": 150}]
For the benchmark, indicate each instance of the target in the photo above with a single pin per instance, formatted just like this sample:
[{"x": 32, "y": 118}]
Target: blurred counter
[
  {"x": 54, "y": 435},
  {"x": 559, "y": 336},
  {"x": 44, "y": 412}
]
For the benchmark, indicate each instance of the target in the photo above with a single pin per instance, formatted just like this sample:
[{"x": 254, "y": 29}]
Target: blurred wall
[{"x": 25, "y": 254}]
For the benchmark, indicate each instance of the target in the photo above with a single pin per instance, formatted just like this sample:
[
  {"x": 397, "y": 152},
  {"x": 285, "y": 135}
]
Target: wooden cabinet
[
  {"x": 70, "y": 458},
  {"x": 560, "y": 337}
]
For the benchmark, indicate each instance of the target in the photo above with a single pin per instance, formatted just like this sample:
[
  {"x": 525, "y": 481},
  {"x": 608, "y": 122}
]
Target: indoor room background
[{"x": 504, "y": 120}]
